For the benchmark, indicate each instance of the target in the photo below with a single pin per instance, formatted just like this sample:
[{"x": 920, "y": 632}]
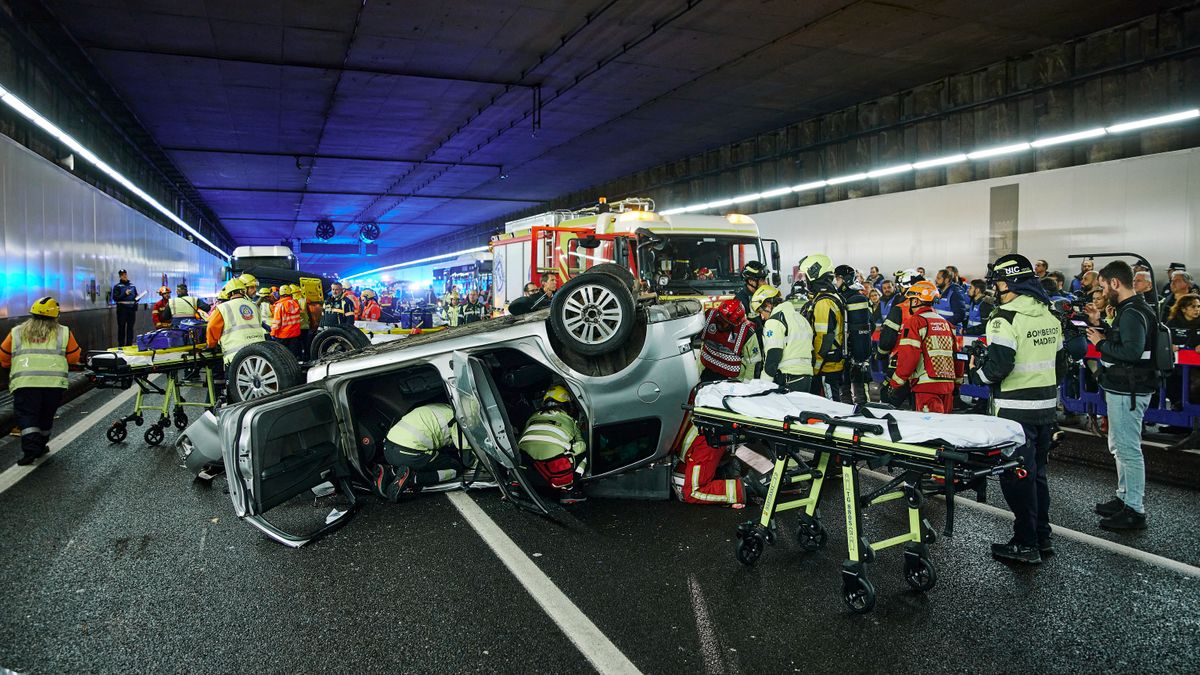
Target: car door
[
  {"x": 279, "y": 447},
  {"x": 485, "y": 423}
]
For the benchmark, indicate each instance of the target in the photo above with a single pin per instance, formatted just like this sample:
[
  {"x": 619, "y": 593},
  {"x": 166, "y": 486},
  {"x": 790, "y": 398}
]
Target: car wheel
[
  {"x": 615, "y": 270},
  {"x": 593, "y": 314},
  {"x": 336, "y": 339},
  {"x": 261, "y": 369}
]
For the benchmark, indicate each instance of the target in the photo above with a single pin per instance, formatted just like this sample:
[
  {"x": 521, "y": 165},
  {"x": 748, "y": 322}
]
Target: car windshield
[{"x": 702, "y": 260}]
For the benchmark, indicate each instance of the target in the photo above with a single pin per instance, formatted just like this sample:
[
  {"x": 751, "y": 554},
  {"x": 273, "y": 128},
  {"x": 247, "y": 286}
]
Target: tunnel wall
[
  {"x": 63, "y": 237},
  {"x": 1148, "y": 205}
]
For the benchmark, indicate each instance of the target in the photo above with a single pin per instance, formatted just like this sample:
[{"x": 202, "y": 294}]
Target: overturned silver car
[{"x": 628, "y": 362}]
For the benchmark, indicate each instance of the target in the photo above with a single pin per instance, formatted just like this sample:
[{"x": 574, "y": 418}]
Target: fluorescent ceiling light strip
[
  {"x": 775, "y": 193},
  {"x": 747, "y": 198},
  {"x": 846, "y": 179},
  {"x": 75, "y": 146},
  {"x": 410, "y": 263},
  {"x": 996, "y": 152},
  {"x": 804, "y": 187},
  {"x": 1069, "y": 138},
  {"x": 1154, "y": 121},
  {"x": 940, "y": 161},
  {"x": 889, "y": 171}
]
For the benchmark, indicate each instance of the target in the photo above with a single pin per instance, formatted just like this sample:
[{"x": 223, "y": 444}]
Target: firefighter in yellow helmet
[
  {"x": 39, "y": 351},
  {"x": 235, "y": 323},
  {"x": 251, "y": 284},
  {"x": 787, "y": 340},
  {"x": 826, "y": 311},
  {"x": 553, "y": 441}
]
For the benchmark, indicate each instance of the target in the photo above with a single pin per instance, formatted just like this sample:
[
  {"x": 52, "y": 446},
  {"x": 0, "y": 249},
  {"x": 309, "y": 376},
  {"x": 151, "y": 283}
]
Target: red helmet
[{"x": 732, "y": 311}]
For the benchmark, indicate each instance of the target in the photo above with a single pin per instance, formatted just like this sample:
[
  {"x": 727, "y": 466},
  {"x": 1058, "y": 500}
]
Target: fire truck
[{"x": 677, "y": 256}]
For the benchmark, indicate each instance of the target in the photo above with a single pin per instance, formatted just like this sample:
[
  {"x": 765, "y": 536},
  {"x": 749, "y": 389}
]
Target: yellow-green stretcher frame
[{"x": 853, "y": 443}]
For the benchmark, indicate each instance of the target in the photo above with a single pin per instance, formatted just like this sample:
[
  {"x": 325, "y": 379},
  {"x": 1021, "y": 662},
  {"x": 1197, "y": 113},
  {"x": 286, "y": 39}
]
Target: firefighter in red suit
[
  {"x": 161, "y": 312},
  {"x": 730, "y": 350},
  {"x": 925, "y": 354},
  {"x": 693, "y": 479}
]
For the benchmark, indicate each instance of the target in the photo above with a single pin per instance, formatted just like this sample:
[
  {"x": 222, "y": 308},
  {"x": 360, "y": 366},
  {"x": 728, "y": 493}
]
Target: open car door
[
  {"x": 277, "y": 449},
  {"x": 485, "y": 423}
]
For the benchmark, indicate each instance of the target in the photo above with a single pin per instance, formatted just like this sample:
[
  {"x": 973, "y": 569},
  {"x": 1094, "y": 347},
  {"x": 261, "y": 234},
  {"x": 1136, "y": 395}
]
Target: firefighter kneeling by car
[
  {"x": 925, "y": 354},
  {"x": 553, "y": 441},
  {"x": 423, "y": 448}
]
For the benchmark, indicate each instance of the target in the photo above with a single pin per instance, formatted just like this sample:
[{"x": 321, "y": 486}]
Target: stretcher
[
  {"x": 190, "y": 367},
  {"x": 379, "y": 332},
  {"x": 925, "y": 453}
]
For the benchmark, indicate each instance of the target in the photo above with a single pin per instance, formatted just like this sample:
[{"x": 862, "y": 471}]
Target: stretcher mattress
[
  {"x": 136, "y": 360},
  {"x": 750, "y": 399}
]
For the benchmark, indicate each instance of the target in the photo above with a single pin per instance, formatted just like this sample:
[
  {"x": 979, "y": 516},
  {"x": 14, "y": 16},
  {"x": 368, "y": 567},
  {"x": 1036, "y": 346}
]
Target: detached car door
[
  {"x": 485, "y": 423},
  {"x": 279, "y": 448}
]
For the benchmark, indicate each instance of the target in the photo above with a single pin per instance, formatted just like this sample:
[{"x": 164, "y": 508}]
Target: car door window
[{"x": 617, "y": 446}]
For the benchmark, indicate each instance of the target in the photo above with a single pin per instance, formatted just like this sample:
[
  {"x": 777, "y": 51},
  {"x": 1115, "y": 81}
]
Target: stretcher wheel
[
  {"x": 811, "y": 535},
  {"x": 750, "y": 549},
  {"x": 116, "y": 433},
  {"x": 154, "y": 435},
  {"x": 919, "y": 572},
  {"x": 859, "y": 594},
  {"x": 180, "y": 420}
]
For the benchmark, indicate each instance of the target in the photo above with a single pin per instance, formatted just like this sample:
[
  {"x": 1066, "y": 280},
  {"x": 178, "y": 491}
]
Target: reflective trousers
[
  {"x": 694, "y": 477},
  {"x": 934, "y": 403}
]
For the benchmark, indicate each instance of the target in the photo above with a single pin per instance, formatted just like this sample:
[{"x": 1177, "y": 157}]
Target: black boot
[{"x": 1017, "y": 552}]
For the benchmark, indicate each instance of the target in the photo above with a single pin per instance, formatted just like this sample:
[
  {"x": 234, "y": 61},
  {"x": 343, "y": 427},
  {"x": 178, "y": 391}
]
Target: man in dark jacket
[
  {"x": 858, "y": 337},
  {"x": 754, "y": 274},
  {"x": 125, "y": 297}
]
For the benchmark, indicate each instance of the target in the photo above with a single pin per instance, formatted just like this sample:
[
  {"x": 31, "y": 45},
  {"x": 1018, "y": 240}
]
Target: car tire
[
  {"x": 335, "y": 339},
  {"x": 593, "y": 314},
  {"x": 615, "y": 270},
  {"x": 261, "y": 369}
]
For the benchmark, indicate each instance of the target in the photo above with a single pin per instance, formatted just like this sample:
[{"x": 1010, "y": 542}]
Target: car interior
[{"x": 379, "y": 401}]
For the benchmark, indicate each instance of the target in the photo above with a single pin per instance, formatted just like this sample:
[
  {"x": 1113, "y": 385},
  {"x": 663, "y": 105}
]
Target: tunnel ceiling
[{"x": 419, "y": 114}]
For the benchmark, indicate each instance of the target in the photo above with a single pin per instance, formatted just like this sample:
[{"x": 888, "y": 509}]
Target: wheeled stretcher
[
  {"x": 190, "y": 367},
  {"x": 926, "y": 453}
]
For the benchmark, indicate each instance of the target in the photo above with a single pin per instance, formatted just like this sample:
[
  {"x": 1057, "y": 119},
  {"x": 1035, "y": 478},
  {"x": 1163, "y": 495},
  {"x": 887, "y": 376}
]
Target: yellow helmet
[
  {"x": 558, "y": 394},
  {"x": 248, "y": 280},
  {"x": 368, "y": 293},
  {"x": 222, "y": 295},
  {"x": 816, "y": 266},
  {"x": 297, "y": 290},
  {"x": 264, "y": 292},
  {"x": 47, "y": 307},
  {"x": 762, "y": 294},
  {"x": 234, "y": 285}
]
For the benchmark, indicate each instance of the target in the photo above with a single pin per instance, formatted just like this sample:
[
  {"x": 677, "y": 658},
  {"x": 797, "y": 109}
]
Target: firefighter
[
  {"x": 160, "y": 313},
  {"x": 553, "y": 441},
  {"x": 754, "y": 274},
  {"x": 265, "y": 303},
  {"x": 694, "y": 480},
  {"x": 235, "y": 323},
  {"x": 787, "y": 340},
  {"x": 730, "y": 349},
  {"x": 338, "y": 310},
  {"x": 925, "y": 354},
  {"x": 371, "y": 311},
  {"x": 858, "y": 336},
  {"x": 251, "y": 283},
  {"x": 184, "y": 306},
  {"x": 285, "y": 321},
  {"x": 39, "y": 351},
  {"x": 421, "y": 449},
  {"x": 826, "y": 312},
  {"x": 453, "y": 310},
  {"x": 889, "y": 331}
]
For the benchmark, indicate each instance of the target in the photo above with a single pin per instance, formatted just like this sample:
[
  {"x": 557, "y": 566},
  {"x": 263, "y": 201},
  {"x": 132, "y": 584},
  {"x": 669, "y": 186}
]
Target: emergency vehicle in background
[{"x": 676, "y": 257}]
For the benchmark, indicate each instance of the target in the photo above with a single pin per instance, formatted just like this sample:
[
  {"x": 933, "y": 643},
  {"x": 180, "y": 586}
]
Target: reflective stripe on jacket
[
  {"x": 427, "y": 428},
  {"x": 792, "y": 333},
  {"x": 551, "y": 433},
  {"x": 242, "y": 326},
  {"x": 184, "y": 307},
  {"x": 925, "y": 354},
  {"x": 285, "y": 321},
  {"x": 39, "y": 364}
]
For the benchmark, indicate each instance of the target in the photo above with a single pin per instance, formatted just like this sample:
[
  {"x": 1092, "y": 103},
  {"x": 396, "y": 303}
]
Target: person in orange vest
[
  {"x": 371, "y": 311},
  {"x": 353, "y": 297},
  {"x": 285, "y": 321},
  {"x": 160, "y": 313},
  {"x": 924, "y": 355}
]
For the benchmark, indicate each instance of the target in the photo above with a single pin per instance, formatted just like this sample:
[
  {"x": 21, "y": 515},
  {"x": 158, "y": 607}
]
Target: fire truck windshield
[{"x": 700, "y": 261}]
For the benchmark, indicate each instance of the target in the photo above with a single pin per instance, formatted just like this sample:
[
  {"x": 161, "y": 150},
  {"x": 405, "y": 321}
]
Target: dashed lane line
[
  {"x": 15, "y": 473},
  {"x": 587, "y": 638}
]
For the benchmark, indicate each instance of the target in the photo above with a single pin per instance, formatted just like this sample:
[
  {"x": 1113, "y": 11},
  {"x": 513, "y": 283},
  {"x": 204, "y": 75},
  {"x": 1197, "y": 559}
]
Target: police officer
[
  {"x": 1024, "y": 340},
  {"x": 754, "y": 274},
  {"x": 235, "y": 323},
  {"x": 858, "y": 336},
  {"x": 421, "y": 449},
  {"x": 827, "y": 314},
  {"x": 787, "y": 340},
  {"x": 338, "y": 310},
  {"x": 125, "y": 296},
  {"x": 39, "y": 351},
  {"x": 474, "y": 311},
  {"x": 553, "y": 441}
]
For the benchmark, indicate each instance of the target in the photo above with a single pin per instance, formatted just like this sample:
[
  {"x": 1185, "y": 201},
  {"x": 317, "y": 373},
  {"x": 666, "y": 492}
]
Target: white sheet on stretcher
[
  {"x": 964, "y": 431},
  {"x": 146, "y": 359}
]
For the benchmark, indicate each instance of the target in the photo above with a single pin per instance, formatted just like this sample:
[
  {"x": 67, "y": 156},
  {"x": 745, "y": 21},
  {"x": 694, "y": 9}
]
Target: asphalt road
[{"x": 115, "y": 560}]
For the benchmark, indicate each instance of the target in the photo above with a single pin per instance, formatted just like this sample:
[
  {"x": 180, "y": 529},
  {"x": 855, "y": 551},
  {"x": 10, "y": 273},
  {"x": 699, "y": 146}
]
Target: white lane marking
[
  {"x": 587, "y": 638},
  {"x": 203, "y": 538},
  {"x": 15, "y": 473},
  {"x": 710, "y": 647},
  {"x": 1067, "y": 533}
]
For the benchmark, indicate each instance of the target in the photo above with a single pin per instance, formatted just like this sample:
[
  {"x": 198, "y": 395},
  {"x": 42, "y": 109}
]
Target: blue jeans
[{"x": 1125, "y": 443}]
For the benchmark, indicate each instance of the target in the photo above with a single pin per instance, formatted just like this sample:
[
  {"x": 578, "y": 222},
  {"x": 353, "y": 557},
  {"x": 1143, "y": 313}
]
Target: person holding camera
[
  {"x": 1128, "y": 377},
  {"x": 1021, "y": 366}
]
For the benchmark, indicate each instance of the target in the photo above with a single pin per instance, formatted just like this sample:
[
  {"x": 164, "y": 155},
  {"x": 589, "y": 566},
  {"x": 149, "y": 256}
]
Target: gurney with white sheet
[{"x": 807, "y": 436}]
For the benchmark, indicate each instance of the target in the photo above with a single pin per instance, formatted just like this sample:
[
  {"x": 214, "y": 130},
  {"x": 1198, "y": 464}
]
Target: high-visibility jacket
[
  {"x": 452, "y": 315},
  {"x": 240, "y": 326},
  {"x": 427, "y": 429},
  {"x": 305, "y": 318},
  {"x": 185, "y": 307},
  {"x": 1021, "y": 365},
  {"x": 721, "y": 351},
  {"x": 925, "y": 355},
  {"x": 266, "y": 310},
  {"x": 285, "y": 322},
  {"x": 160, "y": 314},
  {"x": 39, "y": 364},
  {"x": 889, "y": 332},
  {"x": 829, "y": 332},
  {"x": 551, "y": 433},
  {"x": 788, "y": 331},
  {"x": 371, "y": 310},
  {"x": 337, "y": 311}
]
